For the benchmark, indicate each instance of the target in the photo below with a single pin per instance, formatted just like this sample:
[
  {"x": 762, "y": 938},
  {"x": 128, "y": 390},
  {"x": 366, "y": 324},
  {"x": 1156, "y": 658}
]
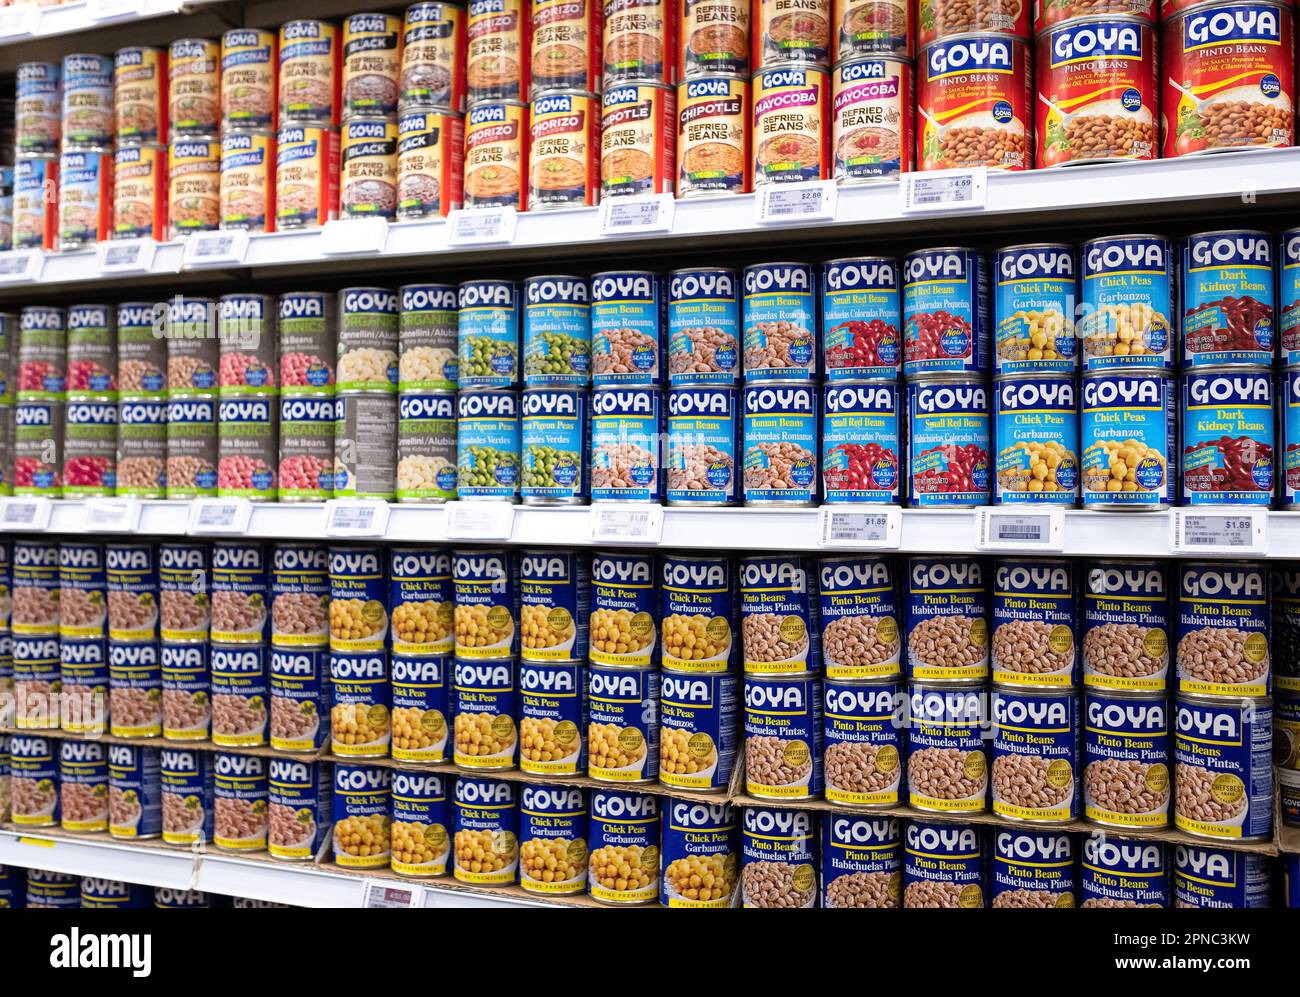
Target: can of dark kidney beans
[
  {"x": 1228, "y": 453},
  {"x": 1226, "y": 299}
]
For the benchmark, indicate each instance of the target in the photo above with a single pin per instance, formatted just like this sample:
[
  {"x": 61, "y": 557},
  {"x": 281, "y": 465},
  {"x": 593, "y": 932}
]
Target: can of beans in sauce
[
  {"x": 699, "y": 600},
  {"x": 1098, "y": 89},
  {"x": 433, "y": 56},
  {"x": 948, "y": 463},
  {"x": 485, "y": 701},
  {"x": 628, "y": 327},
  {"x": 713, "y": 37},
  {"x": 945, "y": 312},
  {"x": 1227, "y": 432},
  {"x": 566, "y": 45},
  {"x": 248, "y": 181},
  {"x": 563, "y": 150},
  {"x": 872, "y": 128},
  {"x": 306, "y": 176},
  {"x": 421, "y": 828},
  {"x": 487, "y": 831},
  {"x": 87, "y": 94},
  {"x": 140, "y": 192},
  {"x": 946, "y": 620},
  {"x": 975, "y": 93},
  {"x": 864, "y": 743},
  {"x": 553, "y": 840},
  {"x": 1126, "y": 308},
  {"x": 191, "y": 446},
  {"x": 640, "y": 40},
  {"x": 37, "y": 114},
  {"x": 248, "y": 68},
  {"x": 780, "y": 438},
  {"x": 947, "y": 748},
  {"x": 430, "y": 162},
  {"x": 1222, "y": 770},
  {"x": 360, "y": 726},
  {"x": 90, "y": 447},
  {"x": 703, "y": 327},
  {"x": 194, "y": 86},
  {"x": 1033, "y": 869},
  {"x": 92, "y": 352},
  {"x": 557, "y": 331},
  {"x": 783, "y": 736},
  {"x": 698, "y": 730},
  {"x": 140, "y": 103},
  {"x": 499, "y": 39},
  {"x": 83, "y": 787},
  {"x": 193, "y": 186},
  {"x": 368, "y": 183},
  {"x": 420, "y": 594},
  {"x": 1036, "y": 425},
  {"x": 623, "y": 724},
  {"x": 142, "y": 447},
  {"x": 1051, "y": 12},
  {"x": 638, "y": 139},
  {"x": 861, "y": 861},
  {"x": 873, "y": 27},
  {"x": 852, "y": 471},
  {"x": 362, "y": 816},
  {"x": 421, "y": 706},
  {"x": 239, "y": 694},
  {"x": 791, "y": 128},
  {"x": 38, "y": 448},
  {"x": 703, "y": 441},
  {"x": 134, "y": 793},
  {"x": 713, "y": 136},
  {"x": 859, "y": 618},
  {"x": 1229, "y": 77},
  {"x": 792, "y": 33},
  {"x": 1227, "y": 299},
  {"x": 1035, "y": 755},
  {"x": 1126, "y": 626},
  {"x": 1035, "y": 623},
  {"x": 624, "y": 625},
  {"x": 372, "y": 63},
  {"x": 496, "y": 155},
  {"x": 488, "y": 444},
  {"x": 556, "y": 445},
  {"x": 1128, "y": 440},
  {"x": 85, "y": 196},
  {"x": 426, "y": 447},
  {"x": 701, "y": 855},
  {"x": 944, "y": 866},
  {"x": 1220, "y": 656},
  {"x": 779, "y": 858},
  {"x": 310, "y": 72},
  {"x": 779, "y": 318},
  {"x": 36, "y": 202},
  {"x": 1126, "y": 757},
  {"x": 428, "y": 326},
  {"x": 778, "y": 600}
]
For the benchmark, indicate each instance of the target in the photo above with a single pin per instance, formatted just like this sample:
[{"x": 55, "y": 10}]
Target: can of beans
[
  {"x": 948, "y": 461},
  {"x": 500, "y": 37},
  {"x": 778, "y": 607},
  {"x": 861, "y": 318},
  {"x": 298, "y": 808},
  {"x": 248, "y": 430},
  {"x": 1034, "y": 305},
  {"x": 310, "y": 72},
  {"x": 365, "y": 446},
  {"x": 703, "y": 438},
  {"x": 871, "y": 100},
  {"x": 42, "y": 353},
  {"x": 421, "y": 596},
  {"x": 487, "y": 831},
  {"x": 862, "y": 731},
  {"x": 87, "y": 99},
  {"x": 246, "y": 329},
  {"x": 372, "y": 62},
  {"x": 945, "y": 312},
  {"x": 38, "y": 448},
  {"x": 430, "y": 162},
  {"x": 946, "y": 620},
  {"x": 84, "y": 684},
  {"x": 566, "y": 46},
  {"x": 36, "y": 202},
  {"x": 488, "y": 444},
  {"x": 699, "y": 600},
  {"x": 1223, "y": 469},
  {"x": 300, "y": 595},
  {"x": 557, "y": 331},
  {"x": 638, "y": 137},
  {"x": 1126, "y": 626},
  {"x": 553, "y": 840},
  {"x": 485, "y": 702},
  {"x": 134, "y": 793},
  {"x": 858, "y": 618},
  {"x": 784, "y": 34},
  {"x": 433, "y": 55},
  {"x": 241, "y": 588},
  {"x": 713, "y": 132},
  {"x": 301, "y": 700},
  {"x": 555, "y": 438},
  {"x": 358, "y": 590},
  {"x": 624, "y": 846},
  {"x": 563, "y": 150},
  {"x": 37, "y": 676},
  {"x": 624, "y": 607},
  {"x": 555, "y": 606},
  {"x": 1288, "y": 296},
  {"x": 306, "y": 468},
  {"x": 1286, "y": 626},
  {"x": 488, "y": 336},
  {"x": 85, "y": 201},
  {"x": 360, "y": 725},
  {"x": 367, "y": 339},
  {"x": 368, "y": 182},
  {"x": 496, "y": 155},
  {"x": 187, "y": 789},
  {"x": 426, "y": 447},
  {"x": 248, "y": 181},
  {"x": 240, "y": 690},
  {"x": 134, "y": 595},
  {"x": 1227, "y": 299},
  {"x": 486, "y": 586},
  {"x": 90, "y": 448},
  {"x": 1126, "y": 758},
  {"x": 1036, "y": 424},
  {"x": 628, "y": 326},
  {"x": 421, "y": 824},
  {"x": 1126, "y": 306},
  {"x": 140, "y": 192},
  {"x": 1220, "y": 656},
  {"x": 1217, "y": 878},
  {"x": 1222, "y": 771},
  {"x": 640, "y": 42},
  {"x": 713, "y": 38},
  {"x": 861, "y": 861},
  {"x": 427, "y": 337},
  {"x": 83, "y": 786},
  {"x": 699, "y": 729},
  {"x": 701, "y": 855},
  {"x": 248, "y": 70},
  {"x": 83, "y": 588},
  {"x": 779, "y": 858},
  {"x": 791, "y": 128},
  {"x": 1035, "y": 754},
  {"x": 307, "y": 325},
  {"x": 194, "y": 84},
  {"x": 1046, "y": 15},
  {"x": 1035, "y": 623},
  {"x": 193, "y": 347},
  {"x": 783, "y": 736},
  {"x": 780, "y": 438},
  {"x": 944, "y": 864},
  {"x": 1033, "y": 869},
  {"x": 554, "y": 715},
  {"x": 1288, "y": 802},
  {"x": 193, "y": 186},
  {"x": 191, "y": 446},
  {"x": 779, "y": 320},
  {"x": 868, "y": 27},
  {"x": 947, "y": 748},
  {"x": 362, "y": 821},
  {"x": 35, "y": 587},
  {"x": 135, "y": 689},
  {"x": 627, "y": 428},
  {"x": 853, "y": 471},
  {"x": 186, "y": 692},
  {"x": 421, "y": 707},
  {"x": 306, "y": 176},
  {"x": 703, "y": 327},
  {"x": 37, "y": 113},
  {"x": 1128, "y": 440}
]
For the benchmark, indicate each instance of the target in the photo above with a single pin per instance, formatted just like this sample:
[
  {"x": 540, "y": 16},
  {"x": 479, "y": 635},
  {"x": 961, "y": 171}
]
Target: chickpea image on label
[
  {"x": 1125, "y": 649},
  {"x": 1117, "y": 472},
  {"x": 695, "y": 638},
  {"x": 359, "y": 723},
  {"x": 480, "y": 735},
  {"x": 624, "y": 868},
  {"x": 778, "y": 884},
  {"x": 866, "y": 889},
  {"x": 1222, "y": 655},
  {"x": 419, "y": 844},
  {"x": 947, "y": 774},
  {"x": 1037, "y": 339},
  {"x": 355, "y": 619},
  {"x": 553, "y": 860},
  {"x": 1125, "y": 330},
  {"x": 1032, "y": 647},
  {"x": 702, "y": 877},
  {"x": 541, "y": 626},
  {"x": 482, "y": 626},
  {"x": 484, "y": 851},
  {"x": 1045, "y": 459},
  {"x": 363, "y": 837},
  {"x": 774, "y": 761},
  {"x": 620, "y": 631},
  {"x": 1126, "y": 786},
  {"x": 612, "y": 747},
  {"x": 1031, "y": 781},
  {"x": 423, "y": 622},
  {"x": 546, "y": 740},
  {"x": 418, "y": 730},
  {"x": 684, "y": 753}
]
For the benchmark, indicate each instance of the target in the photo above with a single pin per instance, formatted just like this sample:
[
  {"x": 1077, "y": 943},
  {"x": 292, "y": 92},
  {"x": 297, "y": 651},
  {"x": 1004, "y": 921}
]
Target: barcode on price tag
[
  {"x": 356, "y": 517},
  {"x": 222, "y": 517},
  {"x": 630, "y": 215},
  {"x": 115, "y": 515},
  {"x": 1019, "y": 529},
  {"x": 125, "y": 256},
  {"x": 210, "y": 249},
  {"x": 1219, "y": 532},
  {"x": 479, "y": 520},
  {"x": 876, "y": 528},
  {"x": 377, "y": 893},
  {"x": 639, "y": 524},
  {"x": 482, "y": 227},
  {"x": 810, "y": 201},
  {"x": 350, "y": 236},
  {"x": 21, "y": 266},
  {"x": 25, "y": 513},
  {"x": 944, "y": 190}
]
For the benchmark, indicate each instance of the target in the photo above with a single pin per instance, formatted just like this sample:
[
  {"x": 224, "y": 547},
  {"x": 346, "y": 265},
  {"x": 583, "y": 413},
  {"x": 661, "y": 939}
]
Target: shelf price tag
[
  {"x": 385, "y": 894},
  {"x": 1219, "y": 531},
  {"x": 1029, "y": 529},
  {"x": 21, "y": 266},
  {"x": 214, "y": 249},
  {"x": 482, "y": 227},
  {"x": 356, "y": 518},
  {"x": 479, "y": 520},
  {"x": 943, "y": 190},
  {"x": 219, "y": 516},
  {"x": 634, "y": 215},
  {"x": 113, "y": 515},
  {"x": 809, "y": 201},
  {"x": 860, "y": 528},
  {"x": 25, "y": 512},
  {"x": 108, "y": 10},
  {"x": 352, "y": 236},
  {"x": 626, "y": 524},
  {"x": 125, "y": 256}
]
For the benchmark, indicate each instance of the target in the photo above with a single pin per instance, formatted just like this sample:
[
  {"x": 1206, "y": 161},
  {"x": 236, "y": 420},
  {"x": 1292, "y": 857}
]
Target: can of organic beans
[
  {"x": 187, "y": 791},
  {"x": 627, "y": 429},
  {"x": 83, "y": 786},
  {"x": 628, "y": 328},
  {"x": 864, "y": 744},
  {"x": 858, "y": 618},
  {"x": 307, "y": 327},
  {"x": 1219, "y": 654},
  {"x": 1126, "y": 759},
  {"x": 362, "y": 816},
  {"x": 703, "y": 327},
  {"x": 557, "y": 331},
  {"x": 703, "y": 440},
  {"x": 1229, "y": 452},
  {"x": 780, "y": 438},
  {"x": 186, "y": 692},
  {"x": 131, "y": 574},
  {"x": 421, "y": 824},
  {"x": 248, "y": 444},
  {"x": 191, "y": 446},
  {"x": 948, "y": 462},
  {"x": 142, "y": 447},
  {"x": 699, "y": 600},
  {"x": 556, "y": 434},
  {"x": 1035, "y": 755},
  {"x": 92, "y": 352},
  {"x": 359, "y": 720},
  {"x": 426, "y": 447},
  {"x": 699, "y": 732},
  {"x": 1033, "y": 869},
  {"x": 783, "y": 736},
  {"x": 1128, "y": 440},
  {"x": 368, "y": 339},
  {"x": 428, "y": 327},
  {"x": 84, "y": 682},
  {"x": 778, "y": 608},
  {"x": 134, "y": 689},
  {"x": 862, "y": 861},
  {"x": 624, "y": 844},
  {"x": 486, "y": 587},
  {"x": 701, "y": 854},
  {"x": 488, "y": 334},
  {"x": 624, "y": 607},
  {"x": 299, "y": 808},
  {"x": 249, "y": 343},
  {"x": 1126, "y": 626},
  {"x": 365, "y": 445},
  {"x": 1223, "y": 774},
  {"x": 301, "y": 699},
  {"x": 487, "y": 831},
  {"x": 306, "y": 469},
  {"x": 854, "y": 471},
  {"x": 421, "y": 707},
  {"x": 90, "y": 447},
  {"x": 945, "y": 312},
  {"x": 134, "y": 792},
  {"x": 193, "y": 346},
  {"x": 779, "y": 860},
  {"x": 1035, "y": 623},
  {"x": 553, "y": 717},
  {"x": 623, "y": 724},
  {"x": 553, "y": 840},
  {"x": 42, "y": 354},
  {"x": 1036, "y": 426},
  {"x": 485, "y": 701},
  {"x": 240, "y": 690},
  {"x": 944, "y": 865},
  {"x": 947, "y": 749}
]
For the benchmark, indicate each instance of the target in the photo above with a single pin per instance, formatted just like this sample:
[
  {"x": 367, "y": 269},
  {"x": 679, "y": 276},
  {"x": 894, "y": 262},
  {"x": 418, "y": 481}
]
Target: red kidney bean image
[
  {"x": 926, "y": 332},
  {"x": 863, "y": 461},
  {"x": 1240, "y": 455},
  {"x": 873, "y": 344},
  {"x": 959, "y": 476},
  {"x": 1242, "y": 318}
]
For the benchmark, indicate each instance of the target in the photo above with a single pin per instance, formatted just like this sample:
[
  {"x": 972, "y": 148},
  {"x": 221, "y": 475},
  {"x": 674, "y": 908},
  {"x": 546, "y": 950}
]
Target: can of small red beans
[
  {"x": 861, "y": 436},
  {"x": 948, "y": 461},
  {"x": 946, "y": 322},
  {"x": 861, "y": 318}
]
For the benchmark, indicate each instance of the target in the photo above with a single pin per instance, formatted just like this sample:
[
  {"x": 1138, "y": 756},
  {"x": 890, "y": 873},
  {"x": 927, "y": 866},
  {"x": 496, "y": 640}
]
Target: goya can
[
  {"x": 1035, "y": 623},
  {"x": 362, "y": 811},
  {"x": 628, "y": 326},
  {"x": 187, "y": 795},
  {"x": 35, "y": 780},
  {"x": 1035, "y": 754},
  {"x": 623, "y": 724},
  {"x": 871, "y": 131},
  {"x": 485, "y": 701},
  {"x": 421, "y": 707},
  {"x": 1222, "y": 629},
  {"x": 944, "y": 866},
  {"x": 85, "y": 210},
  {"x": 306, "y": 176},
  {"x": 37, "y": 114},
  {"x": 241, "y": 588},
  {"x": 300, "y": 698},
  {"x": 1227, "y": 299},
  {"x": 627, "y": 429},
  {"x": 368, "y": 182},
  {"x": 791, "y": 130},
  {"x": 368, "y": 340},
  {"x": 703, "y": 327},
  {"x": 140, "y": 192},
  {"x": 778, "y": 614},
  {"x": 193, "y": 187},
  {"x": 557, "y": 331},
  {"x": 134, "y": 792},
  {"x": 360, "y": 718},
  {"x": 553, "y": 717},
  {"x": 186, "y": 692},
  {"x": 859, "y": 618},
  {"x": 486, "y": 821},
  {"x": 861, "y": 318},
  {"x": 698, "y": 732},
  {"x": 1126, "y": 626},
  {"x": 553, "y": 840},
  {"x": 240, "y": 691},
  {"x": 862, "y": 861},
  {"x": 624, "y": 609},
  {"x": 945, "y": 312},
  {"x": 638, "y": 139},
  {"x": 1033, "y": 869},
  {"x": 433, "y": 55},
  {"x": 703, "y": 446},
  {"x": 248, "y": 181},
  {"x": 699, "y": 599},
  {"x": 947, "y": 751},
  {"x": 372, "y": 62},
  {"x": 1228, "y": 455},
  {"x": 486, "y": 586},
  {"x": 555, "y": 605},
  {"x": 427, "y": 326},
  {"x": 868, "y": 27},
  {"x": 194, "y": 87},
  {"x": 778, "y": 315},
  {"x": 779, "y": 860},
  {"x": 488, "y": 435},
  {"x": 249, "y": 59},
  {"x": 83, "y": 786},
  {"x": 555, "y": 444},
  {"x": 783, "y": 736},
  {"x": 563, "y": 151},
  {"x": 713, "y": 37},
  {"x": 1126, "y": 305},
  {"x": 1288, "y": 297},
  {"x": 948, "y": 462},
  {"x": 1035, "y": 295},
  {"x": 713, "y": 133},
  {"x": 240, "y": 802},
  {"x": 310, "y": 72},
  {"x": 488, "y": 336},
  {"x": 1036, "y": 426},
  {"x": 1289, "y": 444},
  {"x": 306, "y": 449},
  {"x": 784, "y": 33},
  {"x": 430, "y": 163},
  {"x": 701, "y": 854},
  {"x": 1128, "y": 440},
  {"x": 780, "y": 439},
  {"x": 426, "y": 447},
  {"x": 566, "y": 45},
  {"x": 864, "y": 742},
  {"x": 1216, "y": 878},
  {"x": 140, "y": 102},
  {"x": 496, "y": 155},
  {"x": 854, "y": 471},
  {"x": 1222, "y": 773},
  {"x": 640, "y": 41},
  {"x": 623, "y": 867},
  {"x": 298, "y": 808},
  {"x": 499, "y": 34},
  {"x": 36, "y": 202},
  {"x": 1127, "y": 779},
  {"x": 946, "y": 619},
  {"x": 421, "y": 831}
]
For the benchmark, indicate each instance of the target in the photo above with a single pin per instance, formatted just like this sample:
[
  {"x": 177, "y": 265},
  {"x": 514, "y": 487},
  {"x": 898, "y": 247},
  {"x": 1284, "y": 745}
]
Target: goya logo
[
  {"x": 939, "y": 574},
  {"x": 605, "y": 684},
  {"x": 428, "y": 297},
  {"x": 1128, "y": 580},
  {"x": 484, "y": 792},
  {"x": 240, "y": 39},
  {"x": 942, "y": 839},
  {"x": 23, "y": 746},
  {"x": 358, "y": 130},
  {"x": 691, "y": 402},
  {"x": 487, "y": 114},
  {"x": 82, "y": 653},
  {"x": 936, "y": 265},
  {"x": 862, "y": 701},
  {"x": 624, "y": 286},
  {"x": 945, "y": 398},
  {"x": 237, "y": 557},
  {"x": 621, "y": 95},
  {"x": 122, "y": 756},
  {"x": 41, "y": 320},
  {"x": 1210, "y": 722},
  {"x": 556, "y": 104},
  {"x": 624, "y": 401},
  {"x": 1036, "y": 264},
  {"x": 1223, "y": 583},
  {"x": 869, "y": 398},
  {"x": 84, "y": 65},
  {"x": 622, "y": 570},
  {"x": 495, "y": 568},
  {"x": 544, "y": 567},
  {"x": 370, "y": 299},
  {"x": 1150, "y": 716},
  {"x": 1100, "y": 40},
  {"x": 236, "y": 142},
  {"x": 81, "y": 317},
  {"x": 1029, "y": 847},
  {"x": 425, "y": 407},
  {"x": 354, "y": 563},
  {"x": 37, "y": 72},
  {"x": 775, "y": 278},
  {"x": 185, "y": 50},
  {"x": 132, "y": 656},
  {"x": 1116, "y": 855},
  {"x": 859, "y": 831},
  {"x": 769, "y": 573},
  {"x": 487, "y": 405},
  {"x": 1031, "y": 711},
  {"x": 429, "y": 565},
  {"x": 486, "y": 294},
  {"x": 953, "y": 706},
  {"x": 560, "y": 404},
  {"x": 40, "y": 555},
  {"x": 1030, "y": 577},
  {"x": 35, "y": 650},
  {"x": 764, "y": 821},
  {"x": 237, "y": 661},
  {"x": 1230, "y": 389},
  {"x": 291, "y": 136},
  {"x": 1209, "y": 866},
  {"x": 295, "y": 30},
  {"x": 144, "y": 413},
  {"x": 1120, "y": 391},
  {"x": 419, "y": 786},
  {"x": 484, "y": 675},
  {"x": 862, "y": 275},
  {"x": 776, "y": 79},
  {"x": 1285, "y": 583},
  {"x": 139, "y": 316},
  {"x": 421, "y": 671},
  {"x": 285, "y": 771},
  {"x": 128, "y": 560},
  {"x": 232, "y": 766},
  {"x": 632, "y": 807},
  {"x": 246, "y": 410},
  {"x": 841, "y": 576},
  {"x": 362, "y": 779},
  {"x": 367, "y": 24},
  {"x": 193, "y": 150},
  {"x": 288, "y": 558},
  {"x": 184, "y": 658},
  {"x": 690, "y": 285},
  {"x": 81, "y": 751},
  {"x": 683, "y": 815},
  {"x": 175, "y": 762},
  {"x": 296, "y": 664},
  {"x": 976, "y": 55},
  {"x": 548, "y": 679},
  {"x": 691, "y": 690},
  {"x": 357, "y": 667},
  {"x": 81, "y": 556},
  {"x": 1117, "y": 255},
  {"x": 764, "y": 697},
  {"x": 1246, "y": 249},
  {"x": 681, "y": 573},
  {"x": 1245, "y": 22},
  {"x": 127, "y": 157},
  {"x": 190, "y": 412},
  {"x": 34, "y": 415},
  {"x": 762, "y": 400},
  {"x": 552, "y": 799}
]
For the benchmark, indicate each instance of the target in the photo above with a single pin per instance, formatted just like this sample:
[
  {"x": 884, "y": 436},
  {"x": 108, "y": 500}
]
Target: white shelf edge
[{"x": 76, "y": 18}]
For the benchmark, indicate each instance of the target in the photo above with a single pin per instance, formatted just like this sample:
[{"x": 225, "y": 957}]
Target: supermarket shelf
[
  {"x": 1253, "y": 184},
  {"x": 21, "y": 22},
  {"x": 1288, "y": 838},
  {"x": 161, "y": 742}
]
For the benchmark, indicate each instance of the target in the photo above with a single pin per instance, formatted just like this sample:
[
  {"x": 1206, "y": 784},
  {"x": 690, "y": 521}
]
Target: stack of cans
[
  {"x": 430, "y": 94},
  {"x": 308, "y": 342},
  {"x": 307, "y": 144},
  {"x": 365, "y": 429},
  {"x": 140, "y": 115},
  {"x": 371, "y": 71},
  {"x": 194, "y": 155},
  {"x": 249, "y": 111},
  {"x": 141, "y": 382},
  {"x": 41, "y": 393},
  {"x": 86, "y": 153},
  {"x": 193, "y": 362},
  {"x": 37, "y": 121},
  {"x": 248, "y": 407}
]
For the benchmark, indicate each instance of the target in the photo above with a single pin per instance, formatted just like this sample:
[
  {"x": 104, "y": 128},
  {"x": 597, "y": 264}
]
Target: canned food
[
  {"x": 485, "y": 701},
  {"x": 140, "y": 193},
  {"x": 1126, "y": 308},
  {"x": 36, "y": 202},
  {"x": 35, "y": 777},
  {"x": 853, "y": 471},
  {"x": 142, "y": 448},
  {"x": 84, "y": 684},
  {"x": 783, "y": 736},
  {"x": 428, "y": 327},
  {"x": 368, "y": 184},
  {"x": 248, "y": 181},
  {"x": 779, "y": 860},
  {"x": 191, "y": 447},
  {"x": 779, "y": 319},
  {"x": 90, "y": 448},
  {"x": 557, "y": 331},
  {"x": 496, "y": 155},
  {"x": 1288, "y": 296},
  {"x": 194, "y": 86},
  {"x": 713, "y": 132},
  {"x": 421, "y": 824},
  {"x": 1128, "y": 440},
  {"x": 85, "y": 197},
  {"x": 1222, "y": 772},
  {"x": 486, "y": 586},
  {"x": 948, "y": 449},
  {"x": 430, "y": 163},
  {"x": 946, "y": 620},
  {"x": 187, "y": 795},
  {"x": 626, "y": 432},
  {"x": 83, "y": 786},
  {"x": 859, "y": 618},
  {"x": 628, "y": 326},
  {"x": 360, "y": 722},
  {"x": 193, "y": 347},
  {"x": 1034, "y": 304},
  {"x": 624, "y": 628},
  {"x": 37, "y": 112},
  {"x": 140, "y": 102},
  {"x": 310, "y": 72},
  {"x": 239, "y": 693},
  {"x": 566, "y": 46},
  {"x": 785, "y": 33},
  {"x": 624, "y": 836},
  {"x": 701, "y": 855},
  {"x": 38, "y": 448},
  {"x": 307, "y": 333},
  {"x": 433, "y": 56},
  {"x": 555, "y": 442},
  {"x": 488, "y": 444},
  {"x": 1036, "y": 425},
  {"x": 861, "y": 861},
  {"x": 367, "y": 339},
  {"x": 791, "y": 130},
  {"x": 87, "y": 100},
  {"x": 499, "y": 33},
  {"x": 699, "y": 599},
  {"x": 365, "y": 446},
  {"x": 864, "y": 743},
  {"x": 193, "y": 187},
  {"x": 248, "y": 447},
  {"x": 301, "y": 701},
  {"x": 306, "y": 176},
  {"x": 945, "y": 312},
  {"x": 488, "y": 334},
  {"x": 872, "y": 128},
  {"x": 698, "y": 731},
  {"x": 246, "y": 328},
  {"x": 1223, "y": 654},
  {"x": 871, "y": 27},
  {"x": 553, "y": 716},
  {"x": 298, "y": 808},
  {"x": 714, "y": 38},
  {"x": 426, "y": 447},
  {"x": 372, "y": 63},
  {"x": 640, "y": 41},
  {"x": 778, "y": 614},
  {"x": 362, "y": 836},
  {"x": 1218, "y": 467},
  {"x": 703, "y": 327},
  {"x": 421, "y": 706},
  {"x": 1126, "y": 775},
  {"x": 703, "y": 438},
  {"x": 623, "y": 725},
  {"x": 1126, "y": 626},
  {"x": 248, "y": 68},
  {"x": 780, "y": 440},
  {"x": 135, "y": 689},
  {"x": 563, "y": 150},
  {"x": 947, "y": 752},
  {"x": 487, "y": 831},
  {"x": 1035, "y": 755},
  {"x": 92, "y": 352},
  {"x": 134, "y": 792},
  {"x": 1227, "y": 299},
  {"x": 241, "y": 591},
  {"x": 638, "y": 139}
]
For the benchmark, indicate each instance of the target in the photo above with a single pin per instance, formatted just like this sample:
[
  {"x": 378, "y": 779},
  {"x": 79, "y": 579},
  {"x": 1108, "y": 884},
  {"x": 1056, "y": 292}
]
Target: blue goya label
[
  {"x": 555, "y": 435},
  {"x": 36, "y": 568},
  {"x": 488, "y": 336},
  {"x": 946, "y": 619},
  {"x": 1126, "y": 303},
  {"x": 783, "y": 736},
  {"x": 83, "y": 685},
  {"x": 1033, "y": 868},
  {"x": 944, "y": 865},
  {"x": 1128, "y": 436},
  {"x": 486, "y": 819},
  {"x": 1035, "y": 623},
  {"x": 1227, "y": 299},
  {"x": 779, "y": 318},
  {"x": 1228, "y": 446},
  {"x": 299, "y": 808},
  {"x": 1222, "y": 629},
  {"x": 1223, "y": 768},
  {"x": 83, "y": 785},
  {"x": 421, "y": 824},
  {"x": 778, "y": 611},
  {"x": 134, "y": 792},
  {"x": 699, "y": 834},
  {"x": 360, "y": 724},
  {"x": 1126, "y": 626},
  {"x": 861, "y": 442},
  {"x": 32, "y": 762},
  {"x": 186, "y": 691},
  {"x": 37, "y": 682},
  {"x": 488, "y": 431},
  {"x": 703, "y": 444},
  {"x": 185, "y": 592},
  {"x": 1289, "y": 445},
  {"x": 83, "y": 590},
  {"x": 135, "y": 689},
  {"x": 52, "y": 890},
  {"x": 861, "y": 319},
  {"x": 623, "y": 724},
  {"x": 862, "y": 861},
  {"x": 947, "y": 749},
  {"x": 300, "y": 595},
  {"x": 1217, "y": 878},
  {"x": 358, "y": 607},
  {"x": 187, "y": 795},
  {"x": 486, "y": 586},
  {"x": 557, "y": 331},
  {"x": 864, "y": 744},
  {"x": 555, "y": 605},
  {"x": 240, "y": 690},
  {"x": 241, "y": 589},
  {"x": 421, "y": 599},
  {"x": 780, "y": 438},
  {"x": 703, "y": 327},
  {"x": 362, "y": 816},
  {"x": 624, "y": 834},
  {"x": 627, "y": 427},
  {"x": 699, "y": 600},
  {"x": 698, "y": 733},
  {"x": 1034, "y": 301},
  {"x": 1288, "y": 296},
  {"x": 1126, "y": 776},
  {"x": 948, "y": 460},
  {"x": 773, "y": 838},
  {"x": 859, "y": 617},
  {"x": 628, "y": 327},
  {"x": 624, "y": 609},
  {"x": 1036, "y": 426},
  {"x": 300, "y": 698},
  {"x": 553, "y": 715},
  {"x": 1036, "y": 755},
  {"x": 552, "y": 839},
  {"x": 131, "y": 573},
  {"x": 945, "y": 312},
  {"x": 485, "y": 701}
]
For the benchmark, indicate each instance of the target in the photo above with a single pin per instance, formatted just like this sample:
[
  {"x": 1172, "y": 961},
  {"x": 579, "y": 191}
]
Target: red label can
[
  {"x": 140, "y": 193},
  {"x": 937, "y": 19},
  {"x": 791, "y": 127},
  {"x": 638, "y": 139},
  {"x": 563, "y": 151},
  {"x": 500, "y": 33},
  {"x": 566, "y": 45},
  {"x": 973, "y": 97},
  {"x": 872, "y": 100},
  {"x": 873, "y": 27},
  {"x": 1049, "y": 12},
  {"x": 1097, "y": 91},
  {"x": 1229, "y": 78}
]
